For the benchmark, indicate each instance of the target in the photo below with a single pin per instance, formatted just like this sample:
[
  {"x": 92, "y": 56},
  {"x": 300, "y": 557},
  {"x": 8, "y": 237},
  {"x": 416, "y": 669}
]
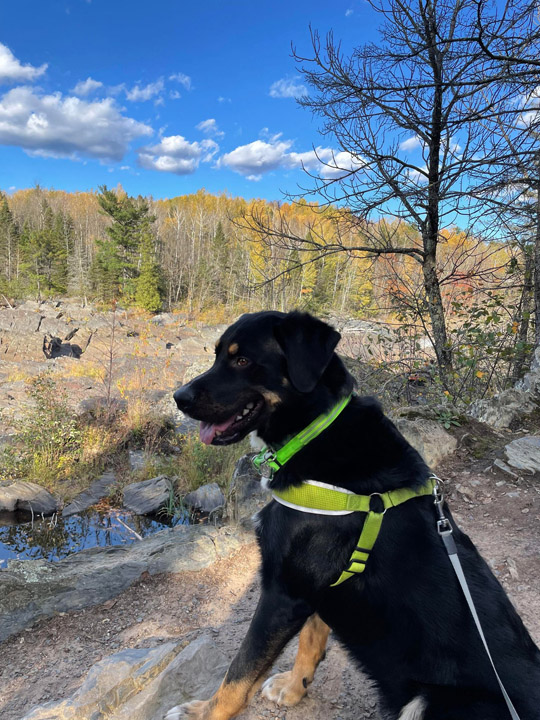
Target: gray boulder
[
  {"x": 524, "y": 454},
  {"x": 58, "y": 328},
  {"x": 504, "y": 409},
  {"x": 207, "y": 498},
  {"x": 32, "y": 589},
  {"x": 20, "y": 321},
  {"x": 248, "y": 496},
  {"x": 97, "y": 490},
  {"x": 142, "y": 684},
  {"x": 509, "y": 406},
  {"x": 148, "y": 496},
  {"x": 428, "y": 437},
  {"x": 27, "y": 497}
]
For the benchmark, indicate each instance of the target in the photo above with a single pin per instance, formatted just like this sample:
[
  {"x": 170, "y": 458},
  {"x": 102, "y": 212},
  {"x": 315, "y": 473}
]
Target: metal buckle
[
  {"x": 262, "y": 466},
  {"x": 444, "y": 527},
  {"x": 443, "y": 523}
]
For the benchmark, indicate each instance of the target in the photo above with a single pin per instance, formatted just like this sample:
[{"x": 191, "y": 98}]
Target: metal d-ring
[{"x": 381, "y": 496}]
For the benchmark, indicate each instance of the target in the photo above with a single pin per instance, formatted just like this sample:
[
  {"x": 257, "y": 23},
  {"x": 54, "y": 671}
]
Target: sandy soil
[{"x": 49, "y": 661}]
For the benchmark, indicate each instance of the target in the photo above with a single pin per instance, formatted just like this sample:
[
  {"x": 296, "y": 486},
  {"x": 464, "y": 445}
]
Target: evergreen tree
[
  {"x": 44, "y": 255},
  {"x": 118, "y": 261},
  {"x": 149, "y": 285}
]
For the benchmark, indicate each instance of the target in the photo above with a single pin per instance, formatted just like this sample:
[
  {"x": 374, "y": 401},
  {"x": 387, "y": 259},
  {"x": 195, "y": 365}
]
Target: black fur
[{"x": 404, "y": 620}]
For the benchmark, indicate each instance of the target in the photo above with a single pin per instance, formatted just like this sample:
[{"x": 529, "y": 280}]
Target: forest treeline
[
  {"x": 200, "y": 253},
  {"x": 205, "y": 255}
]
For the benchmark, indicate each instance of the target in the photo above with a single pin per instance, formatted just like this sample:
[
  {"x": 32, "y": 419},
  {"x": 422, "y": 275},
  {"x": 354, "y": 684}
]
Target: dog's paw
[
  {"x": 283, "y": 689},
  {"x": 196, "y": 710}
]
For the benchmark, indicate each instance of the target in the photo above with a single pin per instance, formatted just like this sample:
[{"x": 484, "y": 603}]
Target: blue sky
[{"x": 165, "y": 97}]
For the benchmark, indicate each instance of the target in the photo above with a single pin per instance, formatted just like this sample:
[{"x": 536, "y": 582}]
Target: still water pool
[{"x": 54, "y": 538}]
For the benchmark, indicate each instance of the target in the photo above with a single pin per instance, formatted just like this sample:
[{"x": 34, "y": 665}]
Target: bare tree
[
  {"x": 413, "y": 119},
  {"x": 509, "y": 36}
]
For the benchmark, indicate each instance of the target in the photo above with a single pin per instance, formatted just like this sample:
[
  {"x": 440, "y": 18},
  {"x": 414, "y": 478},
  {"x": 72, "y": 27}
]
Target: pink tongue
[{"x": 207, "y": 431}]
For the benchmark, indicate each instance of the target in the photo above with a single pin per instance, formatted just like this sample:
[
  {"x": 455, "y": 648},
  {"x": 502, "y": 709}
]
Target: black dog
[{"x": 404, "y": 620}]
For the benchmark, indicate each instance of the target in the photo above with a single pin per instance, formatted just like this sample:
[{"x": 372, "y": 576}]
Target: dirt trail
[{"x": 49, "y": 661}]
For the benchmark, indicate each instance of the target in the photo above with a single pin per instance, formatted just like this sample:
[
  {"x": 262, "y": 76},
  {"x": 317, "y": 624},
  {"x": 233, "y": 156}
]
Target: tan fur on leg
[
  {"x": 289, "y": 688},
  {"x": 229, "y": 700}
]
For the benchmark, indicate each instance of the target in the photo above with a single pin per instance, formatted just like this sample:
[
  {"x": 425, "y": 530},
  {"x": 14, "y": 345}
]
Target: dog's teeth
[
  {"x": 238, "y": 417},
  {"x": 250, "y": 405},
  {"x": 218, "y": 432},
  {"x": 245, "y": 411}
]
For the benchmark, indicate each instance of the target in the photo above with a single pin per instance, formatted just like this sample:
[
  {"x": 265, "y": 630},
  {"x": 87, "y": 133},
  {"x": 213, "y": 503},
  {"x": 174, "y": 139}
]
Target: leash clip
[
  {"x": 266, "y": 464},
  {"x": 443, "y": 523}
]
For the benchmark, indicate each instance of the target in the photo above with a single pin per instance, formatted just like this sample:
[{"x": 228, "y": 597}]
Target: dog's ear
[{"x": 308, "y": 344}]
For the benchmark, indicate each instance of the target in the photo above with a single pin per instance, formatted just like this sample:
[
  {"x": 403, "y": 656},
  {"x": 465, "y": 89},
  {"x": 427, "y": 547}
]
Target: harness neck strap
[{"x": 268, "y": 462}]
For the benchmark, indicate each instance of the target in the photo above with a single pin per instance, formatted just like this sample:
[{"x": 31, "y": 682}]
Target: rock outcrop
[
  {"x": 27, "y": 497},
  {"x": 148, "y": 496},
  {"x": 99, "y": 489},
  {"x": 208, "y": 498},
  {"x": 142, "y": 684},
  {"x": 428, "y": 437},
  {"x": 524, "y": 454},
  {"x": 508, "y": 407},
  {"x": 32, "y": 589}
]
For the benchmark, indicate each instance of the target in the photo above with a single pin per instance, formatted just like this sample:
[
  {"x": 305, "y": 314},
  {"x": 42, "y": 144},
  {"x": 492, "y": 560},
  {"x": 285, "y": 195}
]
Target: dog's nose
[{"x": 184, "y": 398}]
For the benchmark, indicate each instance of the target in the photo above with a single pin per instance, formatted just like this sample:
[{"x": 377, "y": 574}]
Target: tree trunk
[
  {"x": 436, "y": 314},
  {"x": 524, "y": 318},
  {"x": 537, "y": 271}
]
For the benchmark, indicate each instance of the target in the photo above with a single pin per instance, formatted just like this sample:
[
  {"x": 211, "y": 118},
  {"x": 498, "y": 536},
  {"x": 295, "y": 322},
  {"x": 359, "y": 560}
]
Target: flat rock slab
[
  {"x": 142, "y": 684},
  {"x": 33, "y": 589},
  {"x": 524, "y": 454},
  {"x": 207, "y": 498},
  {"x": 148, "y": 496},
  {"x": 97, "y": 490},
  {"x": 28, "y": 497}
]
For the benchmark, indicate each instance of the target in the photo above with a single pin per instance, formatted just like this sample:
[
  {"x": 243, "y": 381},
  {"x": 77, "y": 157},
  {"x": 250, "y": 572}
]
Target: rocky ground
[
  {"x": 50, "y": 660},
  {"x": 499, "y": 506},
  {"x": 150, "y": 355}
]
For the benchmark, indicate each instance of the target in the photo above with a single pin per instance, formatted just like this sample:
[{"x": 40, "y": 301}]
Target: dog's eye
[{"x": 241, "y": 361}]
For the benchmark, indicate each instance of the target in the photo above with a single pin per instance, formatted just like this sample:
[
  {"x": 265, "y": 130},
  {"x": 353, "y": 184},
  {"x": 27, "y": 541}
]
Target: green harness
[{"x": 322, "y": 499}]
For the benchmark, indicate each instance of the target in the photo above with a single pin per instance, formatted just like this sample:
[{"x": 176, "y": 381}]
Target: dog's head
[{"x": 269, "y": 367}]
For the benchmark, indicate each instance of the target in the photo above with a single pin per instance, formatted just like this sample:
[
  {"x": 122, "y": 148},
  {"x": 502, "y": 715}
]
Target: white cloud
[
  {"x": 222, "y": 99},
  {"x": 174, "y": 95},
  {"x": 326, "y": 162},
  {"x": 146, "y": 92},
  {"x": 256, "y": 158},
  {"x": 184, "y": 80},
  {"x": 12, "y": 71},
  {"x": 411, "y": 143},
  {"x": 85, "y": 87},
  {"x": 177, "y": 155},
  {"x": 54, "y": 126},
  {"x": 210, "y": 127},
  {"x": 288, "y": 88},
  {"x": 418, "y": 176},
  {"x": 259, "y": 157},
  {"x": 349, "y": 12}
]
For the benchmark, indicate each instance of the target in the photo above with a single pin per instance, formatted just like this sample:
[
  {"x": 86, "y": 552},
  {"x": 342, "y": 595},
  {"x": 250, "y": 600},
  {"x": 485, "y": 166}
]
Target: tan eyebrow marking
[{"x": 233, "y": 348}]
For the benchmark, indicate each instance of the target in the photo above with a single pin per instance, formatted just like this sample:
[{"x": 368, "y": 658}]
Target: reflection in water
[{"x": 54, "y": 538}]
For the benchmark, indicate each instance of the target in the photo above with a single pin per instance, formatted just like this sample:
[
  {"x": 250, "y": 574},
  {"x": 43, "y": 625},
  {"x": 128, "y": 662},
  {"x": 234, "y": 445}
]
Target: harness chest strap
[{"x": 323, "y": 499}]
